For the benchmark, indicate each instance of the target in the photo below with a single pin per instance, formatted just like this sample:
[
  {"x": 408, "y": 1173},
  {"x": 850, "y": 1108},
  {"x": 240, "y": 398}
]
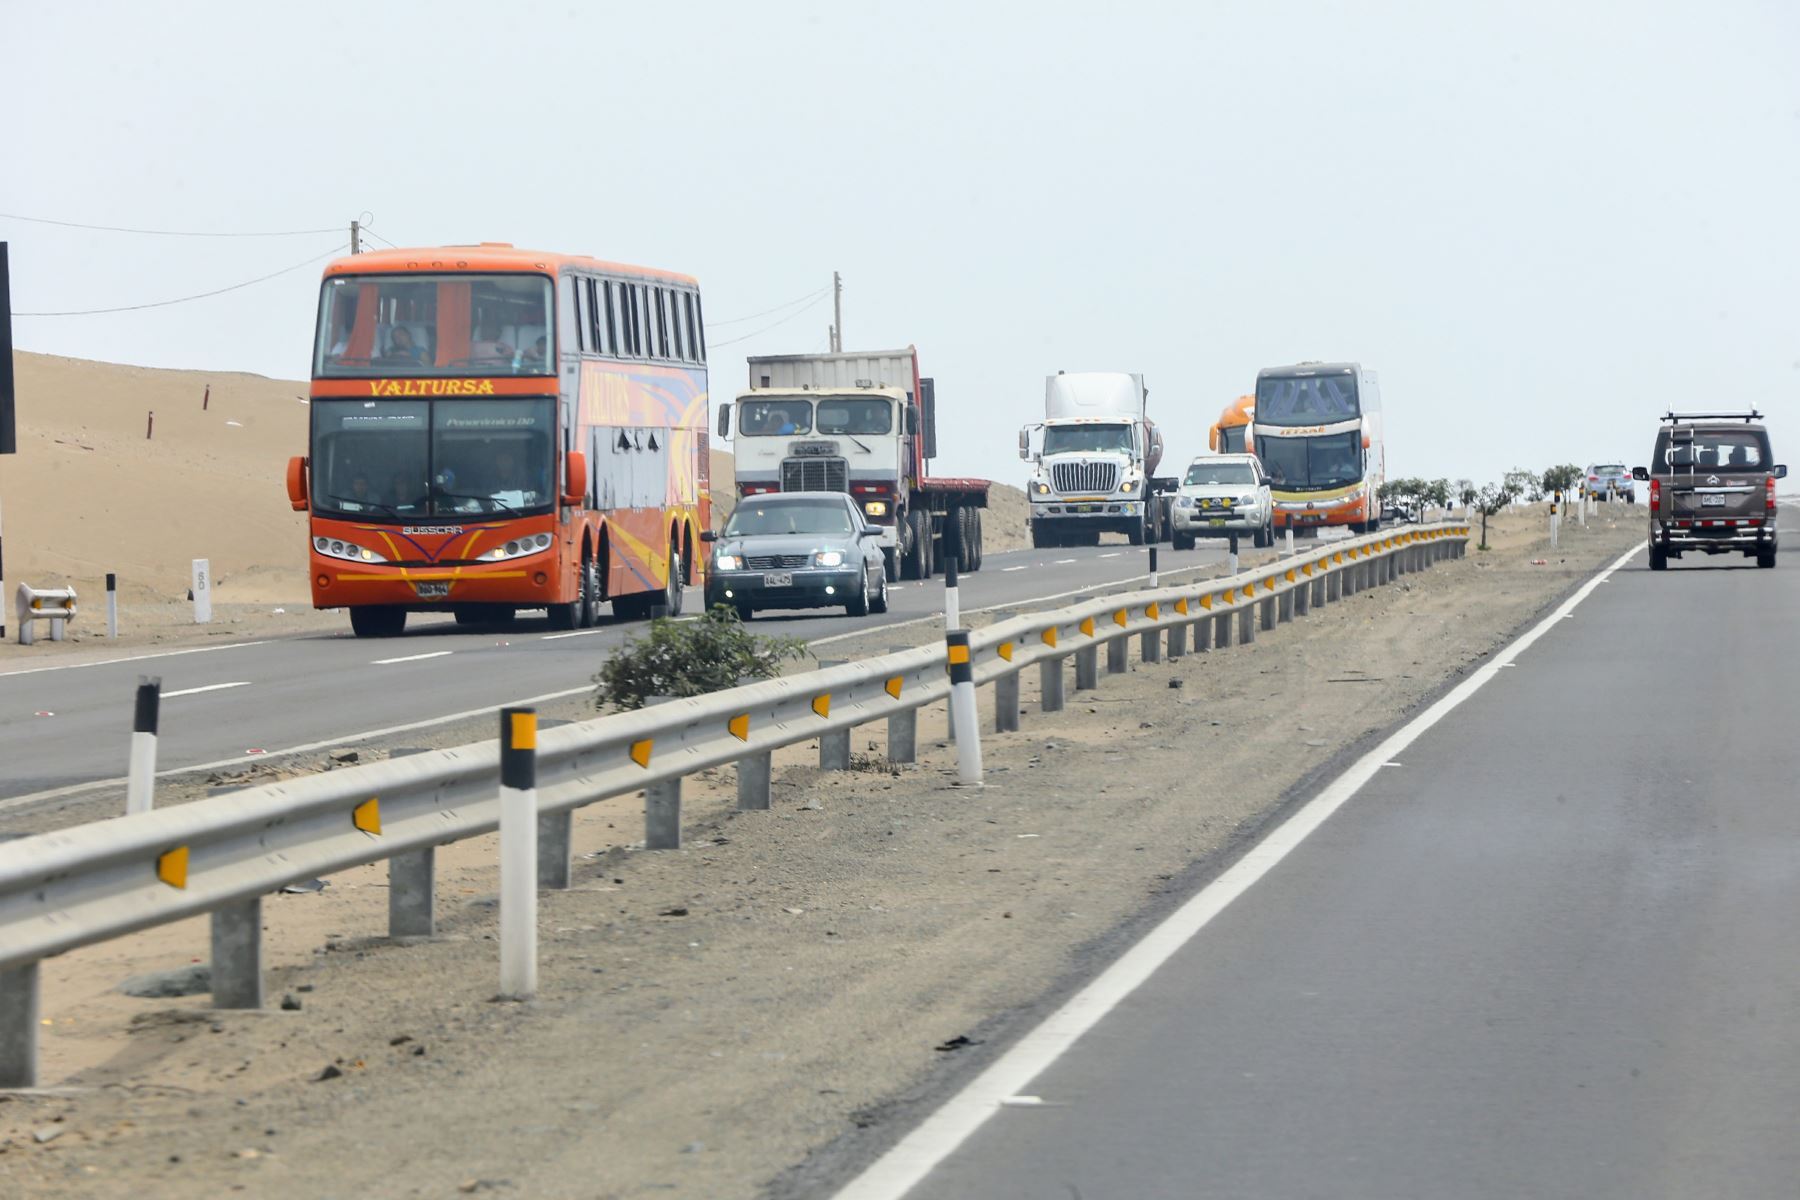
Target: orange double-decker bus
[{"x": 496, "y": 430}]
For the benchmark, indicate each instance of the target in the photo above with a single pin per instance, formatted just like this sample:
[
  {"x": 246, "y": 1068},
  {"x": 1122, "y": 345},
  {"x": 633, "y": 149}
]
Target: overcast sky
[{"x": 1543, "y": 223}]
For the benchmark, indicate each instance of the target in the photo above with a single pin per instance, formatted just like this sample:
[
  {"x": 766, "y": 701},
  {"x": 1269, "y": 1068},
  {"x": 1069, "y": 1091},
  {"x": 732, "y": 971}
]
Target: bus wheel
[
  {"x": 673, "y": 592},
  {"x": 377, "y": 621},
  {"x": 590, "y": 594}
]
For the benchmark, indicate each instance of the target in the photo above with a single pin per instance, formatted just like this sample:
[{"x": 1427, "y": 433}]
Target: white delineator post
[
  {"x": 202, "y": 585},
  {"x": 518, "y": 853},
  {"x": 1153, "y": 575},
  {"x": 1555, "y": 519},
  {"x": 112, "y": 605},
  {"x": 1290, "y": 541},
  {"x": 140, "y": 777},
  {"x": 962, "y": 708},
  {"x": 952, "y": 601},
  {"x": 1231, "y": 567}
]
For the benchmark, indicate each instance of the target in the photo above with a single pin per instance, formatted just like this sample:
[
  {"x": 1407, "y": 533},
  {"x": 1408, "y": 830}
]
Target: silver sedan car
[{"x": 797, "y": 550}]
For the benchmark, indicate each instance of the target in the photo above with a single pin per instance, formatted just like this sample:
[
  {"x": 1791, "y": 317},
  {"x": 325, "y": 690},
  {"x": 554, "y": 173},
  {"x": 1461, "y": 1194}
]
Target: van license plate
[
  {"x": 1712, "y": 502},
  {"x": 432, "y": 591},
  {"x": 779, "y": 579}
]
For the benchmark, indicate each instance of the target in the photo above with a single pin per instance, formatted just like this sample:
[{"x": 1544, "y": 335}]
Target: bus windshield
[
  {"x": 423, "y": 325},
  {"x": 400, "y": 460},
  {"x": 1312, "y": 463},
  {"x": 1307, "y": 399},
  {"x": 1087, "y": 439}
]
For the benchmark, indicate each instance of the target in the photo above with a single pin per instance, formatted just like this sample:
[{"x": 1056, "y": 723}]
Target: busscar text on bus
[{"x": 496, "y": 430}]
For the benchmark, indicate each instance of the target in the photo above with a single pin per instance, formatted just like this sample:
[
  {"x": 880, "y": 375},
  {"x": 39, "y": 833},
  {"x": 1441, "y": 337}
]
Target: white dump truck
[
  {"x": 866, "y": 424},
  {"x": 1094, "y": 459}
]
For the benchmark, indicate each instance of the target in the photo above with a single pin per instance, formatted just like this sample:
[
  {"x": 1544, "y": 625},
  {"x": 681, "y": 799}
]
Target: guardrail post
[
  {"x": 1178, "y": 636},
  {"x": 1117, "y": 652},
  {"x": 1267, "y": 605},
  {"x": 1203, "y": 629},
  {"x": 237, "y": 955},
  {"x": 1284, "y": 603},
  {"x": 1318, "y": 587},
  {"x": 903, "y": 729},
  {"x": 1247, "y": 624},
  {"x": 662, "y": 806},
  {"x": 1303, "y": 589},
  {"x": 1222, "y": 631},
  {"x": 19, "y": 1026},
  {"x": 962, "y": 707},
  {"x": 518, "y": 853},
  {"x": 1150, "y": 646},
  {"x": 412, "y": 885},
  {"x": 1006, "y": 703},
  {"x": 1087, "y": 667},
  {"x": 834, "y": 748},
  {"x": 755, "y": 772},
  {"x": 140, "y": 775},
  {"x": 1050, "y": 683},
  {"x": 555, "y": 832}
]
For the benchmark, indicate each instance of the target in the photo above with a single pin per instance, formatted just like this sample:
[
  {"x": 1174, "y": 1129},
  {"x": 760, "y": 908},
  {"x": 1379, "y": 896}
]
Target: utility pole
[
  {"x": 356, "y": 237},
  {"x": 837, "y": 313}
]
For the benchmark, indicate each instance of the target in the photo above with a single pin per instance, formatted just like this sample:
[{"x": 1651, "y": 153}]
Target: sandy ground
[{"x": 727, "y": 1020}]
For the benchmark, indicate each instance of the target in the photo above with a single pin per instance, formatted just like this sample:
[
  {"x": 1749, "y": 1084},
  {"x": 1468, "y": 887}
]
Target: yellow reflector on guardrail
[
  {"x": 1152, "y": 610},
  {"x": 171, "y": 868},
  {"x": 1049, "y": 636},
  {"x": 640, "y": 752},
  {"x": 822, "y": 704},
  {"x": 1119, "y": 617},
  {"x": 1181, "y": 606},
  {"x": 1086, "y": 627},
  {"x": 1006, "y": 649},
  {"x": 894, "y": 685},
  {"x": 1206, "y": 603},
  {"x": 739, "y": 727},
  {"x": 367, "y": 815}
]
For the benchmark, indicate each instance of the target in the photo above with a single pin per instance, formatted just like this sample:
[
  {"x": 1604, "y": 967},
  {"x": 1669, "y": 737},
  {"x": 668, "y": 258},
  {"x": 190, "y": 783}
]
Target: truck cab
[{"x": 1093, "y": 457}]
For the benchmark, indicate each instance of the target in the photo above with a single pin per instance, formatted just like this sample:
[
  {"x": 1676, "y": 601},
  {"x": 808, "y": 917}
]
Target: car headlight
[
  {"x": 875, "y": 508},
  {"x": 828, "y": 558},
  {"x": 518, "y": 547},
  {"x": 1246, "y": 499},
  {"x": 349, "y": 551},
  {"x": 1040, "y": 488},
  {"x": 1130, "y": 485},
  {"x": 1184, "y": 502},
  {"x": 727, "y": 562}
]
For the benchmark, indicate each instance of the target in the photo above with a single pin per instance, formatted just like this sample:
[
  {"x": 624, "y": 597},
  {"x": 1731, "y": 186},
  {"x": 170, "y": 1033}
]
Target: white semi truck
[
  {"x": 1094, "y": 459},
  {"x": 865, "y": 424}
]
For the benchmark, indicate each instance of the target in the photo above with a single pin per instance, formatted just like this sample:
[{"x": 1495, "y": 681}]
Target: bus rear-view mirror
[
  {"x": 725, "y": 421},
  {"x": 574, "y": 477},
  {"x": 296, "y": 483}
]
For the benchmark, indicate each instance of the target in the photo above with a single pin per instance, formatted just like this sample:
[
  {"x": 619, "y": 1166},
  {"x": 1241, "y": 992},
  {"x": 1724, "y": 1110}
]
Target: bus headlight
[
  {"x": 531, "y": 543},
  {"x": 348, "y": 551}
]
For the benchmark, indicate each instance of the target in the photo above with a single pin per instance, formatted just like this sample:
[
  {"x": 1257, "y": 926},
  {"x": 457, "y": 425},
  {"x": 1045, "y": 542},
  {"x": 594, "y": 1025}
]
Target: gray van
[{"x": 1712, "y": 487}]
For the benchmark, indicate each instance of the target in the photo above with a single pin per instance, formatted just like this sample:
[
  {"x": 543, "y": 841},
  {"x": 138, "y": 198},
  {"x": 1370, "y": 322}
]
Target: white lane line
[
  {"x": 77, "y": 789},
  {"x": 382, "y": 662},
  {"x": 211, "y": 687},
  {"x": 895, "y": 1173},
  {"x": 1004, "y": 570},
  {"x": 551, "y": 637},
  {"x": 107, "y": 662},
  {"x": 1062, "y": 562},
  {"x": 1114, "y": 554}
]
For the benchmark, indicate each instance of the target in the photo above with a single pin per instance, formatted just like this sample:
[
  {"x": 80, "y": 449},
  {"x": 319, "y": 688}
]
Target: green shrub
[{"x": 690, "y": 658}]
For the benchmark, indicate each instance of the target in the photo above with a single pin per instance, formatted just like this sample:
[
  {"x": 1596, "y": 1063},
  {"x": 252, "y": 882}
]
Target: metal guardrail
[{"x": 72, "y": 888}]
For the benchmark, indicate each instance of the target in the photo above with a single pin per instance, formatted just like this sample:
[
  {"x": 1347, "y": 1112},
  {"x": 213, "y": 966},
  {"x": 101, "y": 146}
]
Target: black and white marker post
[
  {"x": 962, "y": 708},
  {"x": 112, "y": 605},
  {"x": 518, "y": 853},
  {"x": 1233, "y": 569},
  {"x": 952, "y": 603},
  {"x": 140, "y": 778},
  {"x": 1153, "y": 582}
]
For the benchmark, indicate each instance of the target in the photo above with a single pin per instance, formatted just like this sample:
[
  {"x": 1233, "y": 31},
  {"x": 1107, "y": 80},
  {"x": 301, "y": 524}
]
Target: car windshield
[
  {"x": 1608, "y": 469},
  {"x": 1711, "y": 450},
  {"x": 1224, "y": 472},
  {"x": 1087, "y": 439},
  {"x": 753, "y": 519}
]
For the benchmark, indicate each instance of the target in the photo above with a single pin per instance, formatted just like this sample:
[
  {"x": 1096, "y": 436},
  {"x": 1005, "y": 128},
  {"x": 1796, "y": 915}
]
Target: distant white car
[{"x": 1221, "y": 495}]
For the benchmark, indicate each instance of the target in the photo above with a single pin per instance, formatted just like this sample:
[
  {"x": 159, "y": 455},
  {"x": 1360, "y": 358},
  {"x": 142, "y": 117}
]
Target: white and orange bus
[
  {"x": 497, "y": 429},
  {"x": 1316, "y": 429}
]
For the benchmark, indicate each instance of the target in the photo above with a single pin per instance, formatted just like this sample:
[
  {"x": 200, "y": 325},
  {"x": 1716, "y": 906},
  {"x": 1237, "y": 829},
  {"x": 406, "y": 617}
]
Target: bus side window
[
  {"x": 693, "y": 343},
  {"x": 611, "y": 317},
  {"x": 677, "y": 348},
  {"x": 699, "y": 328},
  {"x": 576, "y": 289}
]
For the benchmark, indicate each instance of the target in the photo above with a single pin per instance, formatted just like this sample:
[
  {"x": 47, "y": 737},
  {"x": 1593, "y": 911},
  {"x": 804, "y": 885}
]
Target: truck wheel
[
  {"x": 1181, "y": 541},
  {"x": 1042, "y": 539},
  {"x": 1135, "y": 535},
  {"x": 975, "y": 537},
  {"x": 918, "y": 554}
]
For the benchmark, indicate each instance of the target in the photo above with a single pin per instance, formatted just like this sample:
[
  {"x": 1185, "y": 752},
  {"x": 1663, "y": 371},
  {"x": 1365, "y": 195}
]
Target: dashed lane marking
[
  {"x": 211, "y": 687},
  {"x": 382, "y": 662}
]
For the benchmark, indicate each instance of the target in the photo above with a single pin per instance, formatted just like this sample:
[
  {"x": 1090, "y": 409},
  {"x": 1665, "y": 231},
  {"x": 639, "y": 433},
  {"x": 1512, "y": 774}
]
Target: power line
[
  {"x": 165, "y": 232},
  {"x": 379, "y": 238},
  {"x": 767, "y": 311},
  {"x": 818, "y": 300},
  {"x": 89, "y": 312}
]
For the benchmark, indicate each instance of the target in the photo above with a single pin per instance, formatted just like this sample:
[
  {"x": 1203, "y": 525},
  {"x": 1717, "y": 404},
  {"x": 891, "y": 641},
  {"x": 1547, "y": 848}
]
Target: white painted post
[
  {"x": 962, "y": 707},
  {"x": 1554, "y": 518},
  {"x": 202, "y": 585},
  {"x": 1290, "y": 541},
  {"x": 518, "y": 853},
  {"x": 1153, "y": 573},
  {"x": 112, "y": 605},
  {"x": 22, "y": 607},
  {"x": 952, "y": 605},
  {"x": 140, "y": 778}
]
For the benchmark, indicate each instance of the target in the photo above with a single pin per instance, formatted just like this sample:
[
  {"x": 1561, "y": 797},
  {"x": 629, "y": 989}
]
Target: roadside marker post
[
  {"x": 202, "y": 587},
  {"x": 518, "y": 853},
  {"x": 112, "y": 605},
  {"x": 1290, "y": 541},
  {"x": 1231, "y": 567},
  {"x": 140, "y": 776},
  {"x": 1153, "y": 575},
  {"x": 952, "y": 605},
  {"x": 962, "y": 695},
  {"x": 1555, "y": 521}
]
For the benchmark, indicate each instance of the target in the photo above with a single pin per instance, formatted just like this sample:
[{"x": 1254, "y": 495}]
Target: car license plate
[
  {"x": 1712, "y": 502},
  {"x": 1217, "y": 521},
  {"x": 432, "y": 591},
  {"x": 779, "y": 579}
]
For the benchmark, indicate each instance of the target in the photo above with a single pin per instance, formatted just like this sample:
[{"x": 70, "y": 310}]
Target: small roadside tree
[
  {"x": 1467, "y": 493},
  {"x": 1562, "y": 479},
  {"x": 1490, "y": 500},
  {"x": 1521, "y": 484},
  {"x": 690, "y": 658}
]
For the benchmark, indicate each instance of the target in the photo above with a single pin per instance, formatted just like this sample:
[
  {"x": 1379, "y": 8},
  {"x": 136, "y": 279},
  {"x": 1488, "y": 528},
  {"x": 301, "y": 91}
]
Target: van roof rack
[{"x": 1744, "y": 415}]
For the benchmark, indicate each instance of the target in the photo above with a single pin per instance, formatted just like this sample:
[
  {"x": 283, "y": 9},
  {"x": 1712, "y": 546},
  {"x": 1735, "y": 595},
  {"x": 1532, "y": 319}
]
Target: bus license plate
[
  {"x": 432, "y": 591},
  {"x": 776, "y": 579}
]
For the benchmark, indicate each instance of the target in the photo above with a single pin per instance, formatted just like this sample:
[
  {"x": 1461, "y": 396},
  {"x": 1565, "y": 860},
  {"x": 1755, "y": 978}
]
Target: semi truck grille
[
  {"x": 777, "y": 562},
  {"x": 1085, "y": 477},
  {"x": 815, "y": 475}
]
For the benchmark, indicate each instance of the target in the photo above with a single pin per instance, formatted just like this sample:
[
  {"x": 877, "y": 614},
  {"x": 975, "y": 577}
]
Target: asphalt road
[
  {"x": 1553, "y": 953},
  {"x": 61, "y": 728}
]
